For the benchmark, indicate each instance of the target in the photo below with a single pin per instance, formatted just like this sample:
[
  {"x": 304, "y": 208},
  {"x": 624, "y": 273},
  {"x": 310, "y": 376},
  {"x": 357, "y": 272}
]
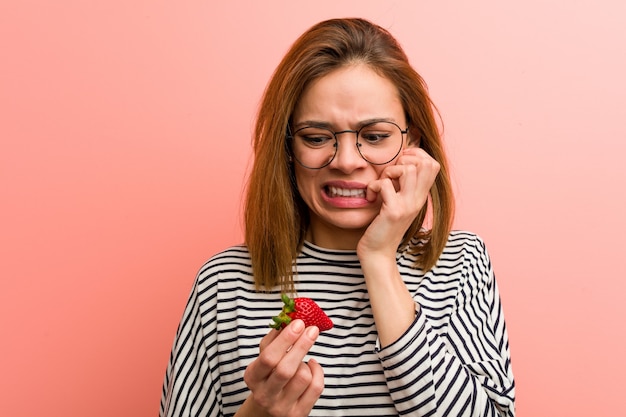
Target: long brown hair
[{"x": 276, "y": 217}]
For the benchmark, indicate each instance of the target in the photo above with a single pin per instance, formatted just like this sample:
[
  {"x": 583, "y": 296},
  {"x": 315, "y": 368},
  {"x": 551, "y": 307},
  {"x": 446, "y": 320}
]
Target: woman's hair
[{"x": 276, "y": 217}]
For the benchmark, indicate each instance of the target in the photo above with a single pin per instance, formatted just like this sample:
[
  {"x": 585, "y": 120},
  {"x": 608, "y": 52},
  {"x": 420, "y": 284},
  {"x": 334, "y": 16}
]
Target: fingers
[
  {"x": 304, "y": 387},
  {"x": 426, "y": 166},
  {"x": 308, "y": 397},
  {"x": 280, "y": 382},
  {"x": 281, "y": 356},
  {"x": 302, "y": 390},
  {"x": 291, "y": 358},
  {"x": 412, "y": 177},
  {"x": 276, "y": 344},
  {"x": 268, "y": 339}
]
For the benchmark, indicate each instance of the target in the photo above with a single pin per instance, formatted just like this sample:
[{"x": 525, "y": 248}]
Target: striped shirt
[{"x": 453, "y": 360}]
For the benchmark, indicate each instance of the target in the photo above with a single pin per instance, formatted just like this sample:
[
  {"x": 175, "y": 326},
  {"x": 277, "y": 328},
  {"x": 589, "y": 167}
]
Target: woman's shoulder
[
  {"x": 462, "y": 249},
  {"x": 232, "y": 253},
  {"x": 466, "y": 253},
  {"x": 466, "y": 247},
  {"x": 458, "y": 241},
  {"x": 233, "y": 259},
  {"x": 464, "y": 239}
]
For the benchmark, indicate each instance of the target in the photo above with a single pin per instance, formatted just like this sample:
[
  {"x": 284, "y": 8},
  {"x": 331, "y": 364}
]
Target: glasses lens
[
  {"x": 379, "y": 143},
  {"x": 314, "y": 147}
]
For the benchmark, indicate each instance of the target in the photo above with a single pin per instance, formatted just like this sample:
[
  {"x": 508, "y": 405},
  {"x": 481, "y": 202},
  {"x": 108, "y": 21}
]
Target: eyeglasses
[{"x": 315, "y": 147}]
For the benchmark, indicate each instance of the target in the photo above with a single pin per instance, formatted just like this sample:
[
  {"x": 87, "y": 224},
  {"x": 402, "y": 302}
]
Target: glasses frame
[{"x": 291, "y": 136}]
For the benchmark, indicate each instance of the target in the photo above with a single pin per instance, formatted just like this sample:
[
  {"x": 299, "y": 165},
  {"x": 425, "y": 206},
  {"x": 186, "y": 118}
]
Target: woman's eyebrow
[
  {"x": 376, "y": 120},
  {"x": 327, "y": 125},
  {"x": 315, "y": 123}
]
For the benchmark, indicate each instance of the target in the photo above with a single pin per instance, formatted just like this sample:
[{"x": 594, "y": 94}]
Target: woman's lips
[
  {"x": 345, "y": 195},
  {"x": 334, "y": 191}
]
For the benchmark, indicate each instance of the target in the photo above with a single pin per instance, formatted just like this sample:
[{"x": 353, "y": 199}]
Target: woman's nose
[{"x": 347, "y": 157}]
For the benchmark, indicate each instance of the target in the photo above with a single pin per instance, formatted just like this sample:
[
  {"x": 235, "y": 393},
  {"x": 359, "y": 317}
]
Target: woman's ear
[
  {"x": 413, "y": 136},
  {"x": 412, "y": 143}
]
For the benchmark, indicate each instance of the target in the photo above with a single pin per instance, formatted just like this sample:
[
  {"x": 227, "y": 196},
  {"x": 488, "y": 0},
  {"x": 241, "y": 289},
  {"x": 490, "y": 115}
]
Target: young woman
[{"x": 349, "y": 170}]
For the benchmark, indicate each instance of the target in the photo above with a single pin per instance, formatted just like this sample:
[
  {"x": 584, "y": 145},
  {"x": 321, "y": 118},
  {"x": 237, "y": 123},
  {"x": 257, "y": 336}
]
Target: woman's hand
[
  {"x": 403, "y": 189},
  {"x": 280, "y": 382}
]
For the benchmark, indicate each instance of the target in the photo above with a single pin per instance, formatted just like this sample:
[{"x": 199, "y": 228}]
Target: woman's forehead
[{"x": 349, "y": 95}]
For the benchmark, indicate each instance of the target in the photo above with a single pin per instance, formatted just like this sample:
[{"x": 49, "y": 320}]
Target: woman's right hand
[{"x": 282, "y": 384}]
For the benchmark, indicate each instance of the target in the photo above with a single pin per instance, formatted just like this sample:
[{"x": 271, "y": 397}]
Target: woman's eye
[
  {"x": 316, "y": 140},
  {"x": 374, "y": 137}
]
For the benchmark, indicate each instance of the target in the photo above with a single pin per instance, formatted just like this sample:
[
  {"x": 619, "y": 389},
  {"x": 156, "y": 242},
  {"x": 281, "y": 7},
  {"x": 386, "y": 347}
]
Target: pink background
[{"x": 125, "y": 137}]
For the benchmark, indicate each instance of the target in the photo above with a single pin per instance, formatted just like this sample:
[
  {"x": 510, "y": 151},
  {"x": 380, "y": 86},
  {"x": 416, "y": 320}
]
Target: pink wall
[{"x": 125, "y": 130}]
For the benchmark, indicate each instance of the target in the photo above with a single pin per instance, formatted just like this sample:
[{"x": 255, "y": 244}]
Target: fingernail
[
  {"x": 312, "y": 332},
  {"x": 297, "y": 326}
]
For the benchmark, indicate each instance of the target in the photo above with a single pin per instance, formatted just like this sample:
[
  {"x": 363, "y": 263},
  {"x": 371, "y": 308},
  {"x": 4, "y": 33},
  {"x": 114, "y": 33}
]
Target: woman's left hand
[{"x": 403, "y": 189}]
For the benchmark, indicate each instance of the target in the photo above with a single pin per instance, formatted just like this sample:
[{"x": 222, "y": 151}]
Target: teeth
[{"x": 346, "y": 192}]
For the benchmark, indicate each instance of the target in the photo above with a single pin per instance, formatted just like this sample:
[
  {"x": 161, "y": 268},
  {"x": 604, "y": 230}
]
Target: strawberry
[{"x": 304, "y": 309}]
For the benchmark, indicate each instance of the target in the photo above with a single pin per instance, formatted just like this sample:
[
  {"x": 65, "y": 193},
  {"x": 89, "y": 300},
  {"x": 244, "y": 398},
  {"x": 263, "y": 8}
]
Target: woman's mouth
[{"x": 333, "y": 191}]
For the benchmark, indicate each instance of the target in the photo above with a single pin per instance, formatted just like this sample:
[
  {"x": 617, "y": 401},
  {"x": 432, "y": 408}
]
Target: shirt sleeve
[
  {"x": 192, "y": 386},
  {"x": 464, "y": 369}
]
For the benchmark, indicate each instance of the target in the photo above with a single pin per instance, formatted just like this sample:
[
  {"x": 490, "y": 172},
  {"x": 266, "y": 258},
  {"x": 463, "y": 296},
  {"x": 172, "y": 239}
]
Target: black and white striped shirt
[{"x": 453, "y": 361}]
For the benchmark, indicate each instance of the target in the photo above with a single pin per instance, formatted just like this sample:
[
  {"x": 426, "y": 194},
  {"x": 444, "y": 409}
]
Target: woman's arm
[
  {"x": 463, "y": 369},
  {"x": 464, "y": 372}
]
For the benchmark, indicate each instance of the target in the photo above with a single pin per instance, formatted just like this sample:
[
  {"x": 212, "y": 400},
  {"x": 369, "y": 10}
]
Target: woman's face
[{"x": 345, "y": 99}]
